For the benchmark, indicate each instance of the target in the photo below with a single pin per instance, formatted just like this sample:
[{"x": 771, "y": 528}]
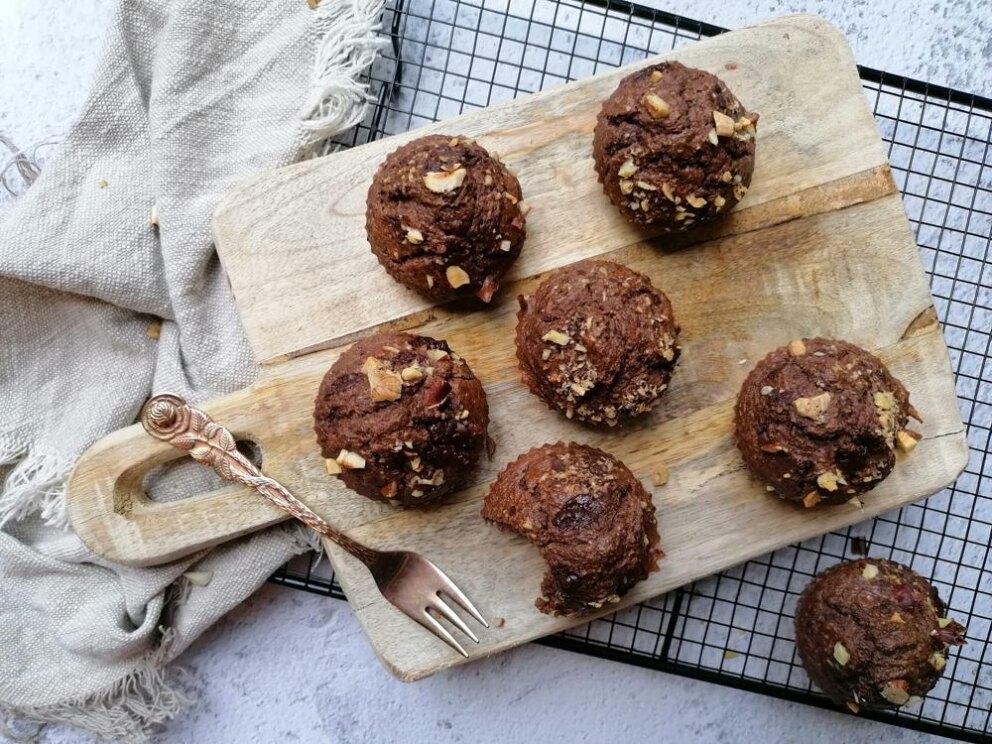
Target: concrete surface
[{"x": 288, "y": 666}]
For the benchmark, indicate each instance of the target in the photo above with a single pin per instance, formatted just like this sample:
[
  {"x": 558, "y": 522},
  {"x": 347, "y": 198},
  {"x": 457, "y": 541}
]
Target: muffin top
[
  {"x": 674, "y": 147},
  {"x": 445, "y": 218}
]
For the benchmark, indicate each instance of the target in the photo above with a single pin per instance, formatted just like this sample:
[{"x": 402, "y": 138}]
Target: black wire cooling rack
[{"x": 451, "y": 56}]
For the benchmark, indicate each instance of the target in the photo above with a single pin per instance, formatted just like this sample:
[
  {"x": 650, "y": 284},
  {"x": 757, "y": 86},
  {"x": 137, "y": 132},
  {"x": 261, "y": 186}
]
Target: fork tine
[
  {"x": 439, "y": 630},
  {"x": 449, "y": 614},
  {"x": 449, "y": 588}
]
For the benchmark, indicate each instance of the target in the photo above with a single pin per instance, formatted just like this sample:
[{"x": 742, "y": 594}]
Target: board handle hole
[{"x": 182, "y": 478}]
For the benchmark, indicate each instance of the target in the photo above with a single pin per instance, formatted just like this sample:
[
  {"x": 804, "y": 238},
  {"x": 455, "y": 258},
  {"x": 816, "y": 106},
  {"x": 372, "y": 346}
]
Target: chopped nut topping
[
  {"x": 897, "y": 619},
  {"x": 661, "y": 475},
  {"x": 411, "y": 374},
  {"x": 726, "y": 177},
  {"x": 417, "y": 493},
  {"x": 667, "y": 191},
  {"x": 827, "y": 481},
  {"x": 413, "y": 235},
  {"x": 510, "y": 197},
  {"x": 870, "y": 571},
  {"x": 441, "y": 182},
  {"x": 696, "y": 202},
  {"x": 527, "y": 525},
  {"x": 841, "y": 654},
  {"x": 724, "y": 124},
  {"x": 627, "y": 169},
  {"x": 456, "y": 276},
  {"x": 505, "y": 246},
  {"x": 739, "y": 191},
  {"x": 655, "y": 76},
  {"x": 384, "y": 384},
  {"x": 853, "y": 707},
  {"x": 812, "y": 499},
  {"x": 668, "y": 354},
  {"x": 556, "y": 337},
  {"x": 937, "y": 661},
  {"x": 488, "y": 180},
  {"x": 436, "y": 354},
  {"x": 896, "y": 691},
  {"x": 713, "y": 138},
  {"x": 436, "y": 479},
  {"x": 453, "y": 142},
  {"x": 430, "y": 282},
  {"x": 645, "y": 205},
  {"x": 657, "y": 106},
  {"x": 773, "y": 448},
  {"x": 626, "y": 186},
  {"x": 389, "y": 490},
  {"x": 907, "y": 440},
  {"x": 524, "y": 208},
  {"x": 797, "y": 347},
  {"x": 646, "y": 186},
  {"x": 719, "y": 202},
  {"x": 814, "y": 407},
  {"x": 767, "y": 390},
  {"x": 350, "y": 460},
  {"x": 332, "y": 467},
  {"x": 943, "y": 622}
]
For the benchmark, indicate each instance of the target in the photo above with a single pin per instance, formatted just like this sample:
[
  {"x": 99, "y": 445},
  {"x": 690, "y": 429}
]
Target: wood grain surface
[{"x": 820, "y": 246}]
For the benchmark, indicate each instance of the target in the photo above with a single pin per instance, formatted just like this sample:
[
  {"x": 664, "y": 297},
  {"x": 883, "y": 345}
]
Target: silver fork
[{"x": 408, "y": 580}]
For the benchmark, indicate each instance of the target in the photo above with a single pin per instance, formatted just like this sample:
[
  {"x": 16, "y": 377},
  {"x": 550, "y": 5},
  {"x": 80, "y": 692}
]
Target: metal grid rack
[{"x": 451, "y": 56}]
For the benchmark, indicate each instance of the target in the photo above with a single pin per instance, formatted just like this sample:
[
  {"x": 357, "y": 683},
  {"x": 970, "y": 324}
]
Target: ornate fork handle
[{"x": 171, "y": 419}]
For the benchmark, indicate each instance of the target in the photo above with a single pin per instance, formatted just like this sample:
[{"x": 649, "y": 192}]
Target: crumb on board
[{"x": 660, "y": 476}]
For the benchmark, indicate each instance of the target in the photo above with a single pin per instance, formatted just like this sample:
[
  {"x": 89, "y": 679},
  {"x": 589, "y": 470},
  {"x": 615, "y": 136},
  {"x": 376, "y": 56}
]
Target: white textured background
[{"x": 290, "y": 667}]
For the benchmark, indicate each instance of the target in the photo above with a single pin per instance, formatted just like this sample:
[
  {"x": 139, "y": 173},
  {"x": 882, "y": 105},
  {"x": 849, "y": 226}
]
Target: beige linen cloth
[{"x": 99, "y": 309}]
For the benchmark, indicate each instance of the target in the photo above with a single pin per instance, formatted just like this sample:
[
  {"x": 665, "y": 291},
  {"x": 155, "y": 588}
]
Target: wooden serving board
[{"x": 820, "y": 246}]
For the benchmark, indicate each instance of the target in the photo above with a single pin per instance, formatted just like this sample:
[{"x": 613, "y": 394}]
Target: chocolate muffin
[
  {"x": 674, "y": 147},
  {"x": 401, "y": 418},
  {"x": 872, "y": 634},
  {"x": 589, "y": 516},
  {"x": 597, "y": 341},
  {"x": 820, "y": 421},
  {"x": 445, "y": 218}
]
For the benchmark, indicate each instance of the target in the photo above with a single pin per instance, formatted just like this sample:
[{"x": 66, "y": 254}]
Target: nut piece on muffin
[
  {"x": 674, "y": 147},
  {"x": 445, "y": 218},
  {"x": 597, "y": 341},
  {"x": 820, "y": 421},
  {"x": 591, "y": 519},
  {"x": 401, "y": 418},
  {"x": 873, "y": 634}
]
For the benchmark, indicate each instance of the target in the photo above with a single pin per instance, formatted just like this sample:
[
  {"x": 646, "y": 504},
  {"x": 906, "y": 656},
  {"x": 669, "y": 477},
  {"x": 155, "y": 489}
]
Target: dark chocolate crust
[
  {"x": 672, "y": 169},
  {"x": 597, "y": 341},
  {"x": 410, "y": 409},
  {"x": 872, "y": 633},
  {"x": 445, "y": 218},
  {"x": 589, "y": 516},
  {"x": 820, "y": 420}
]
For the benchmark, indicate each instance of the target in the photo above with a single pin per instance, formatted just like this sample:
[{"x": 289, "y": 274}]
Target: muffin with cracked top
[
  {"x": 820, "y": 421},
  {"x": 598, "y": 342},
  {"x": 401, "y": 418},
  {"x": 674, "y": 147},
  {"x": 445, "y": 218},
  {"x": 872, "y": 633}
]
